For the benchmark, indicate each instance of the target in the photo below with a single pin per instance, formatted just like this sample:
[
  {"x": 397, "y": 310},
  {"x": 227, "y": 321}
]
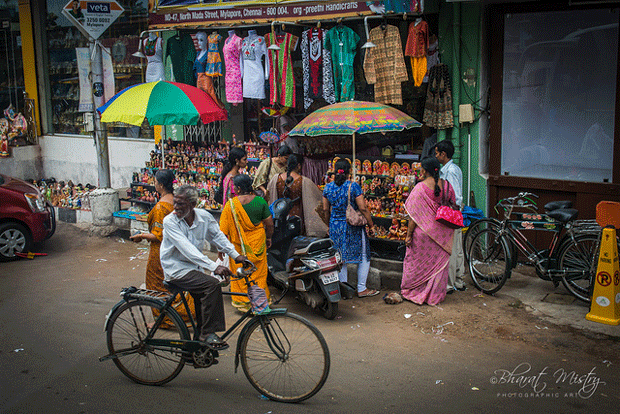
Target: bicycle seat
[
  {"x": 564, "y": 215},
  {"x": 556, "y": 205}
]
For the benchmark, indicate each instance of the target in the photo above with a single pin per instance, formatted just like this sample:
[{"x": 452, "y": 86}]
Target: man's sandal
[{"x": 215, "y": 342}]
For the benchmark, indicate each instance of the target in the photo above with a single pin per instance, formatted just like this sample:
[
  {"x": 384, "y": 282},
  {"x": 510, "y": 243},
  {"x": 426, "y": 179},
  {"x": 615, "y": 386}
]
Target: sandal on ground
[
  {"x": 215, "y": 342},
  {"x": 367, "y": 293}
]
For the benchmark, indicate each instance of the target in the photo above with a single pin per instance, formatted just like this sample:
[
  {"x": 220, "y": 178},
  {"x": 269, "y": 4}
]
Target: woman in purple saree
[{"x": 429, "y": 243}]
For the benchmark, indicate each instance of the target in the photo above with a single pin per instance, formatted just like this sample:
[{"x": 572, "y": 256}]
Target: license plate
[{"x": 330, "y": 277}]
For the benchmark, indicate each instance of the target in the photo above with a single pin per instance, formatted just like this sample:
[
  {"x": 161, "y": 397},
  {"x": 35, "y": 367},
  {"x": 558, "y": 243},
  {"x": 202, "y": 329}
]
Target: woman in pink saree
[{"x": 429, "y": 243}]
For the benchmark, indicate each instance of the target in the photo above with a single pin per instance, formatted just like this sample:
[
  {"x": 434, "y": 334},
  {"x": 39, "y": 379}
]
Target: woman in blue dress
[{"x": 351, "y": 241}]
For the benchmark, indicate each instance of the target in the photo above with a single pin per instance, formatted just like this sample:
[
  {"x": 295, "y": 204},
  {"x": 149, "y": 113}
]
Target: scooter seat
[
  {"x": 301, "y": 242},
  {"x": 556, "y": 205}
]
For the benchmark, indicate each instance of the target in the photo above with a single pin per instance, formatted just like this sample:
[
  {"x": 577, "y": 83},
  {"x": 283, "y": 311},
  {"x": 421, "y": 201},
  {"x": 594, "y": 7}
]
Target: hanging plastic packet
[{"x": 258, "y": 300}]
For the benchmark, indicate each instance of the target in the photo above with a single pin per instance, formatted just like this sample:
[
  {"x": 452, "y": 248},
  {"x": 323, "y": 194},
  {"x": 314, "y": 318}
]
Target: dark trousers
[{"x": 208, "y": 301}]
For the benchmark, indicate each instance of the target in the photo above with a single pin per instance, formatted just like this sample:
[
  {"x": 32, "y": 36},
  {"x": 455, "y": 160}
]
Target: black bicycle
[
  {"x": 283, "y": 355},
  {"x": 492, "y": 246}
]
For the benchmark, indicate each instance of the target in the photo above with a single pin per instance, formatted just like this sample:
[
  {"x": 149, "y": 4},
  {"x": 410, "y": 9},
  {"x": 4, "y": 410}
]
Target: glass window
[
  {"x": 121, "y": 39},
  {"x": 11, "y": 67},
  {"x": 559, "y": 90}
]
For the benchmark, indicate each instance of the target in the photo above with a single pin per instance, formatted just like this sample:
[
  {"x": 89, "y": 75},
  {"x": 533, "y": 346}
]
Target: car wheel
[{"x": 14, "y": 238}]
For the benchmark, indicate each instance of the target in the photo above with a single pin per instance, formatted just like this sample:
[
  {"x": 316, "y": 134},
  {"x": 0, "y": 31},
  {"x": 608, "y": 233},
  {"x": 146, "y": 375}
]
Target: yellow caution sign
[{"x": 605, "y": 307}]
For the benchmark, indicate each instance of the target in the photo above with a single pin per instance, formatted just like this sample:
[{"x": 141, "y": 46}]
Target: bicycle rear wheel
[
  {"x": 489, "y": 261},
  {"x": 143, "y": 363},
  {"x": 577, "y": 261},
  {"x": 284, "y": 357}
]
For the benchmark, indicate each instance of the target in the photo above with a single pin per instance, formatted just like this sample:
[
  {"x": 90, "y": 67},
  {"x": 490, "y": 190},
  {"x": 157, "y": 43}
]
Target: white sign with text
[{"x": 92, "y": 18}]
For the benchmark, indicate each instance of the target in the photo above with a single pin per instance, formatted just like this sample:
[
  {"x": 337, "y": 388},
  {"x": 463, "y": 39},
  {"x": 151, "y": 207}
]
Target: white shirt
[
  {"x": 452, "y": 174},
  {"x": 181, "y": 247}
]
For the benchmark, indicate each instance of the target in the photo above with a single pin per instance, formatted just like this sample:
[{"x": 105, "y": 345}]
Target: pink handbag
[
  {"x": 448, "y": 214},
  {"x": 354, "y": 217}
]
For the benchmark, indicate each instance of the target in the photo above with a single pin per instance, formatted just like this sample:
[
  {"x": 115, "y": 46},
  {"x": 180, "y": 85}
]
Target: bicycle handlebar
[{"x": 513, "y": 201}]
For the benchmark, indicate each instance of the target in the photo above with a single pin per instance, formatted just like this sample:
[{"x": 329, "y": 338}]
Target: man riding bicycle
[{"x": 186, "y": 231}]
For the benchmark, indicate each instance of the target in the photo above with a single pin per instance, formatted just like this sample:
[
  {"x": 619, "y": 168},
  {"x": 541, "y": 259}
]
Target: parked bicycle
[
  {"x": 283, "y": 355},
  {"x": 492, "y": 246}
]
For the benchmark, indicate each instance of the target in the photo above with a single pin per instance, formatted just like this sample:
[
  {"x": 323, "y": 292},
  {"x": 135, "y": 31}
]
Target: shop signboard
[
  {"x": 92, "y": 18},
  {"x": 231, "y": 12}
]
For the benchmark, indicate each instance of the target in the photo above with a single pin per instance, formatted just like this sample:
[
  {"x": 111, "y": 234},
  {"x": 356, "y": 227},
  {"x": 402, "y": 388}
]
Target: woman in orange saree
[
  {"x": 247, "y": 222},
  {"x": 154, "y": 273}
]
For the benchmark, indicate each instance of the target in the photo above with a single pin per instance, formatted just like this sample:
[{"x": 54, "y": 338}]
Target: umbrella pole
[{"x": 354, "y": 172}]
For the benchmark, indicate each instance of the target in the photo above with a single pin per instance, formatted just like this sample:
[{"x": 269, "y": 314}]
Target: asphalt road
[{"x": 52, "y": 311}]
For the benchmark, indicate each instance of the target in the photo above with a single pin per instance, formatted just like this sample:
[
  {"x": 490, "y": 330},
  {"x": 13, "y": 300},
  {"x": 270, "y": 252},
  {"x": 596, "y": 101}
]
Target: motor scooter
[{"x": 307, "y": 265}]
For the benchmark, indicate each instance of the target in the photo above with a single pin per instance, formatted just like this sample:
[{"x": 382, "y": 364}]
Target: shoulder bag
[
  {"x": 448, "y": 214},
  {"x": 354, "y": 217}
]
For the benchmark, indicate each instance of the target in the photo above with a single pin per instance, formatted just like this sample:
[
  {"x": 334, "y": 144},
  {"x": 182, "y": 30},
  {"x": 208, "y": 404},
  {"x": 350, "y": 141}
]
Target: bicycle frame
[
  {"x": 194, "y": 345},
  {"x": 511, "y": 229}
]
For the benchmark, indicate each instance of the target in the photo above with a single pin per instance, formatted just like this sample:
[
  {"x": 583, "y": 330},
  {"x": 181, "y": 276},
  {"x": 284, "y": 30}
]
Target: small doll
[
  {"x": 402, "y": 231},
  {"x": 394, "y": 228},
  {"x": 393, "y": 191}
]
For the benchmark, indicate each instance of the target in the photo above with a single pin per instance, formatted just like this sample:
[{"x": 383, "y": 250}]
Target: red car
[{"x": 25, "y": 217}]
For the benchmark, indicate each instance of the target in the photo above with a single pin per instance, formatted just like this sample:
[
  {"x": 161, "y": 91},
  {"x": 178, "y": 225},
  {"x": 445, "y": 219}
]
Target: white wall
[
  {"x": 73, "y": 157},
  {"x": 24, "y": 163}
]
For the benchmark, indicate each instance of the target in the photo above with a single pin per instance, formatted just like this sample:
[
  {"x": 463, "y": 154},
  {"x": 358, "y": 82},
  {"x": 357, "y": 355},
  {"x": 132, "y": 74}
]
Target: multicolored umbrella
[
  {"x": 354, "y": 117},
  {"x": 162, "y": 103},
  {"x": 270, "y": 137}
]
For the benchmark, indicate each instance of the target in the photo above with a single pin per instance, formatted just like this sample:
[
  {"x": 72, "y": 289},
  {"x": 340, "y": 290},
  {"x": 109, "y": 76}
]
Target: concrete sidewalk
[{"x": 555, "y": 305}]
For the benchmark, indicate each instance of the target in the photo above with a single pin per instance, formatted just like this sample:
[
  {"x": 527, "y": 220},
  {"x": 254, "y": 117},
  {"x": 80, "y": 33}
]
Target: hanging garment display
[
  {"x": 438, "y": 108},
  {"x": 416, "y": 49},
  {"x": 384, "y": 65},
  {"x": 232, "y": 54},
  {"x": 317, "y": 66},
  {"x": 214, "y": 61},
  {"x": 153, "y": 50},
  {"x": 181, "y": 51},
  {"x": 202, "y": 68},
  {"x": 342, "y": 42},
  {"x": 253, "y": 50},
  {"x": 281, "y": 79}
]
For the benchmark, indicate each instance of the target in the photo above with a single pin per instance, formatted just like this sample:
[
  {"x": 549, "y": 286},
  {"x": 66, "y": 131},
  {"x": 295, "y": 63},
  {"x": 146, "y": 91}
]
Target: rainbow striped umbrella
[
  {"x": 354, "y": 117},
  {"x": 162, "y": 103}
]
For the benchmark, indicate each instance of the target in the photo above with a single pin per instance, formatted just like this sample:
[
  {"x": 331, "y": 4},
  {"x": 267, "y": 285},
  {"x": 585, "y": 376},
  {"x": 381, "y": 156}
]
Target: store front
[
  {"x": 171, "y": 30},
  {"x": 554, "y": 129}
]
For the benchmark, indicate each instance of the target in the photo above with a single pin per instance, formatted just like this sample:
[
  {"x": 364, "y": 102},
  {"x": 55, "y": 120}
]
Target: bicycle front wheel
[
  {"x": 577, "y": 261},
  {"x": 474, "y": 228},
  {"x": 143, "y": 363},
  {"x": 489, "y": 261},
  {"x": 284, "y": 357}
]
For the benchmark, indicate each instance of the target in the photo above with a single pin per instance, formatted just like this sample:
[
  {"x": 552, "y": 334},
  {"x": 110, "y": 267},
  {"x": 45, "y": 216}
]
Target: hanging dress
[
  {"x": 416, "y": 49},
  {"x": 384, "y": 65},
  {"x": 232, "y": 80},
  {"x": 438, "y": 108},
  {"x": 317, "y": 68},
  {"x": 281, "y": 79},
  {"x": 204, "y": 80},
  {"x": 214, "y": 61},
  {"x": 342, "y": 42},
  {"x": 153, "y": 50},
  {"x": 254, "y": 73}
]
